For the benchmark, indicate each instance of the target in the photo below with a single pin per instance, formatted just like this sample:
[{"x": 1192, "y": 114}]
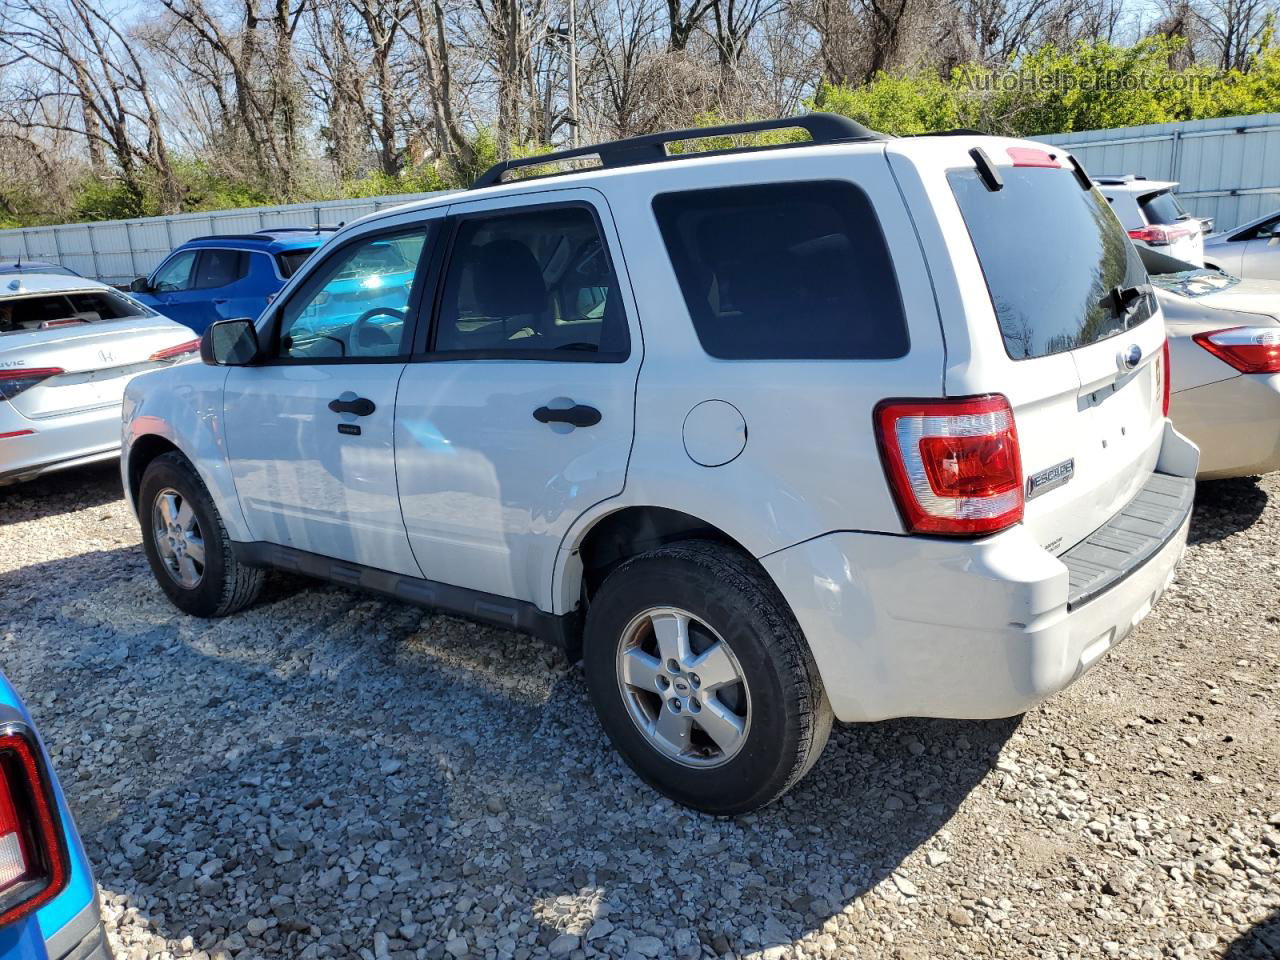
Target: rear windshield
[
  {"x": 784, "y": 271},
  {"x": 64, "y": 309},
  {"x": 1052, "y": 254},
  {"x": 1162, "y": 207},
  {"x": 291, "y": 260}
]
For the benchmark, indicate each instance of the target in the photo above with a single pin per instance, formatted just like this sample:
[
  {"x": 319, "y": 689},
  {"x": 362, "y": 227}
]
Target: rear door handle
[
  {"x": 360, "y": 406},
  {"x": 579, "y": 415}
]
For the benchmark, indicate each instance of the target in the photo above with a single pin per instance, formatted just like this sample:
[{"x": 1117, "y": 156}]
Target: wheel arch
[
  {"x": 603, "y": 541},
  {"x": 142, "y": 452}
]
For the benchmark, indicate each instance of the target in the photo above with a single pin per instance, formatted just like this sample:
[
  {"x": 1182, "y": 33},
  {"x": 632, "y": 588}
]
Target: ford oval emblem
[{"x": 1130, "y": 356}]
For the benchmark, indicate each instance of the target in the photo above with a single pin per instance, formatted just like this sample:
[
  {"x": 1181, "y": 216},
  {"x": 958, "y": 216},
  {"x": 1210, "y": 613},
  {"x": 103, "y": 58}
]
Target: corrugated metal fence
[
  {"x": 1228, "y": 168},
  {"x": 116, "y": 251}
]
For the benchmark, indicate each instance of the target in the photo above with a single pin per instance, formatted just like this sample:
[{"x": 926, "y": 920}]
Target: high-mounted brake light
[
  {"x": 1248, "y": 349},
  {"x": 173, "y": 353},
  {"x": 1158, "y": 236},
  {"x": 1030, "y": 157},
  {"x": 954, "y": 465},
  {"x": 33, "y": 863},
  {"x": 13, "y": 382}
]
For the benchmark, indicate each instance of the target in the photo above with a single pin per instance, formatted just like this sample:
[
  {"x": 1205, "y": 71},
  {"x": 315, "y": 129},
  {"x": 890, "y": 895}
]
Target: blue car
[
  {"x": 48, "y": 901},
  {"x": 225, "y": 277}
]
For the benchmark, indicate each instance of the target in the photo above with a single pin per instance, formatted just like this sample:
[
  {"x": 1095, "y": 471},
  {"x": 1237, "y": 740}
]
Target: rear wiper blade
[{"x": 1124, "y": 301}]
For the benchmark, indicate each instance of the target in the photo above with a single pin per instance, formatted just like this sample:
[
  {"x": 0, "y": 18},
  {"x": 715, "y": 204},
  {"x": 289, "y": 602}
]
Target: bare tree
[
  {"x": 256, "y": 52},
  {"x": 1233, "y": 27},
  {"x": 72, "y": 53}
]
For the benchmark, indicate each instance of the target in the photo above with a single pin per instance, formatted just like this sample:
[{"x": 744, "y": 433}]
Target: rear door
[
  {"x": 1078, "y": 337},
  {"x": 519, "y": 416},
  {"x": 310, "y": 428}
]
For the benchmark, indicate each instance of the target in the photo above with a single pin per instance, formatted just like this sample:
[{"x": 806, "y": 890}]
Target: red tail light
[
  {"x": 176, "y": 352},
  {"x": 33, "y": 863},
  {"x": 13, "y": 382},
  {"x": 1248, "y": 349},
  {"x": 953, "y": 465},
  {"x": 1157, "y": 236},
  {"x": 1164, "y": 378}
]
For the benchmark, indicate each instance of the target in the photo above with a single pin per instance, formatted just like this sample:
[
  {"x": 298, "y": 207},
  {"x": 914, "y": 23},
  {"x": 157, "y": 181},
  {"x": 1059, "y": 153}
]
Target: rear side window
[
  {"x": 789, "y": 271},
  {"x": 1052, "y": 255},
  {"x": 536, "y": 284},
  {"x": 218, "y": 268},
  {"x": 1162, "y": 207},
  {"x": 291, "y": 260}
]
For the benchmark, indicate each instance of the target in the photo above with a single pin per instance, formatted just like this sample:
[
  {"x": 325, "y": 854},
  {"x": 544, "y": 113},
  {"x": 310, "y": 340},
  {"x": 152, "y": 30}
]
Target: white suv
[{"x": 770, "y": 437}]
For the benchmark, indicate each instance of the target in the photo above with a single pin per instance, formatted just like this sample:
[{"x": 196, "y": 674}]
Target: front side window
[
  {"x": 356, "y": 303},
  {"x": 220, "y": 268},
  {"x": 175, "y": 275},
  {"x": 537, "y": 284},
  {"x": 785, "y": 271}
]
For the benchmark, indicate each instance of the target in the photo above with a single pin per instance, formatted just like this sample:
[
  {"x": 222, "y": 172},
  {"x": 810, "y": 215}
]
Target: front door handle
[
  {"x": 579, "y": 415},
  {"x": 360, "y": 406}
]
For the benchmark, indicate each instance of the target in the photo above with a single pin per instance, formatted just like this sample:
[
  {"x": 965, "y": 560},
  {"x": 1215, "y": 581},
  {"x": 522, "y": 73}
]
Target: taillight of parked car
[
  {"x": 1158, "y": 236},
  {"x": 953, "y": 465},
  {"x": 1248, "y": 349},
  {"x": 13, "y": 382},
  {"x": 33, "y": 863},
  {"x": 179, "y": 352}
]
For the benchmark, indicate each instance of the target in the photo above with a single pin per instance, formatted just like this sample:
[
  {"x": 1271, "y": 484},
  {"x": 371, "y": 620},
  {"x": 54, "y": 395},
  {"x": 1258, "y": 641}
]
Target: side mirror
[
  {"x": 139, "y": 285},
  {"x": 230, "y": 343}
]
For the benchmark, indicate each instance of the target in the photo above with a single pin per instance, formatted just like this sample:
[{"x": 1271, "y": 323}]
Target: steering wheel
[{"x": 357, "y": 336}]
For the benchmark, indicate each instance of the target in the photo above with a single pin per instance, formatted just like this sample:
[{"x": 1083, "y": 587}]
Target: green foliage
[
  {"x": 1050, "y": 90},
  {"x": 904, "y": 104}
]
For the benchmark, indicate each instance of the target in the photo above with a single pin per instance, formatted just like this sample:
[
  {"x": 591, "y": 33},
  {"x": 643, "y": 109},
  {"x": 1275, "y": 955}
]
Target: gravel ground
[{"x": 331, "y": 775}]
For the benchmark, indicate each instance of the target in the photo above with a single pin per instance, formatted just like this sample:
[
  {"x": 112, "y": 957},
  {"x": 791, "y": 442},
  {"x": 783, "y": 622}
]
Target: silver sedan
[
  {"x": 1251, "y": 251},
  {"x": 1224, "y": 364},
  {"x": 68, "y": 347}
]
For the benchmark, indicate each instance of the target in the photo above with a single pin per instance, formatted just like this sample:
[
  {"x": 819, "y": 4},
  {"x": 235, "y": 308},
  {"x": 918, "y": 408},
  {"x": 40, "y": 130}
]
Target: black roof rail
[
  {"x": 315, "y": 229},
  {"x": 652, "y": 148}
]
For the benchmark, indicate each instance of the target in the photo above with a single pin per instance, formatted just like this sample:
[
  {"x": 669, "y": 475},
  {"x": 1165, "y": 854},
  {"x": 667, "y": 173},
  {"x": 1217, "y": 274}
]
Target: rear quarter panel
[{"x": 810, "y": 464}]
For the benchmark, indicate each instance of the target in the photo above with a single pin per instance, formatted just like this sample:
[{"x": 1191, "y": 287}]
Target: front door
[
  {"x": 520, "y": 416},
  {"x": 310, "y": 429}
]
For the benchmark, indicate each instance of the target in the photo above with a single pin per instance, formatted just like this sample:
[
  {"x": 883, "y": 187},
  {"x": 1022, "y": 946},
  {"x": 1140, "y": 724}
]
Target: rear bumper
[
  {"x": 917, "y": 626},
  {"x": 1234, "y": 422},
  {"x": 56, "y": 443},
  {"x": 82, "y": 938}
]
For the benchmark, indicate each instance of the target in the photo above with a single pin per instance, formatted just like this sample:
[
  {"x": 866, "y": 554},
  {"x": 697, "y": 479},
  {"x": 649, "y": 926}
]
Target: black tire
[
  {"x": 790, "y": 716},
  {"x": 226, "y": 585}
]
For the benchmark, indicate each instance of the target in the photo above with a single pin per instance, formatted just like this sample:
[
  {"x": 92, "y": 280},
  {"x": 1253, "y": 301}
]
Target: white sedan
[{"x": 68, "y": 347}]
